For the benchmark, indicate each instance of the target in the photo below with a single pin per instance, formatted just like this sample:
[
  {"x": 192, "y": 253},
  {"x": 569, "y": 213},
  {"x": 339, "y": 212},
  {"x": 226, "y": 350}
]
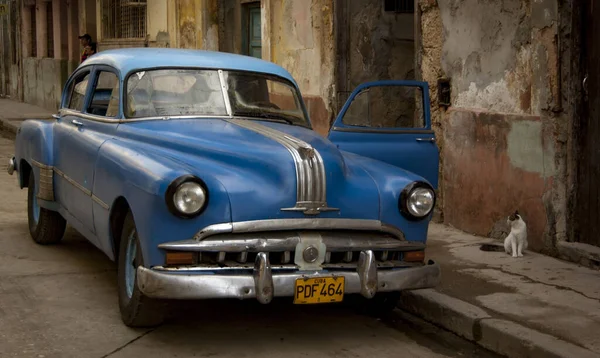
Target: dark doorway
[
  {"x": 375, "y": 41},
  {"x": 587, "y": 210}
]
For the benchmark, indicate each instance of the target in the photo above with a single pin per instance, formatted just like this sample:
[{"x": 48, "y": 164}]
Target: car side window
[
  {"x": 78, "y": 89},
  {"x": 386, "y": 107},
  {"x": 105, "y": 97}
]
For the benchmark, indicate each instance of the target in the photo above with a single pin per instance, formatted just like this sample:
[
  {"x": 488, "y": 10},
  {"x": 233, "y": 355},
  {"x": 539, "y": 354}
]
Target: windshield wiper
[{"x": 266, "y": 115}]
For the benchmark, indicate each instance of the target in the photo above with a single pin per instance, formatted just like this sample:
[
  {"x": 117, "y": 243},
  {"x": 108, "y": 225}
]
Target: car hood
[{"x": 259, "y": 172}]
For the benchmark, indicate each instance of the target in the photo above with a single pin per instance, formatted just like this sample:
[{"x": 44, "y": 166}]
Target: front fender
[
  {"x": 141, "y": 175},
  {"x": 390, "y": 181},
  {"x": 33, "y": 143}
]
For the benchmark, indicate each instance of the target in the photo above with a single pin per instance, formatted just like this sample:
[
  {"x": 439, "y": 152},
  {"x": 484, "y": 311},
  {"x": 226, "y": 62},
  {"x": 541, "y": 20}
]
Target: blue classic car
[{"x": 200, "y": 175}]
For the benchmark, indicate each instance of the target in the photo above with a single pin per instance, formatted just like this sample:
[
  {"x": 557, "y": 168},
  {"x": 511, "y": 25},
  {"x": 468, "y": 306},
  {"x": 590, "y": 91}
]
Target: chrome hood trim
[
  {"x": 298, "y": 224},
  {"x": 311, "y": 190}
]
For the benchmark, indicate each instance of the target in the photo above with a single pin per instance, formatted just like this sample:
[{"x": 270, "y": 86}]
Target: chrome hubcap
[{"x": 130, "y": 263}]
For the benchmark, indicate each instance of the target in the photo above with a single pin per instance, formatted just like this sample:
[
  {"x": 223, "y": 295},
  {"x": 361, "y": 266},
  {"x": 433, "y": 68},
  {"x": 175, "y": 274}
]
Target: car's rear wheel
[
  {"x": 45, "y": 226},
  {"x": 137, "y": 310}
]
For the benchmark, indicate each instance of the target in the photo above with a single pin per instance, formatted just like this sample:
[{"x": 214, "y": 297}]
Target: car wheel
[
  {"x": 137, "y": 310},
  {"x": 45, "y": 226}
]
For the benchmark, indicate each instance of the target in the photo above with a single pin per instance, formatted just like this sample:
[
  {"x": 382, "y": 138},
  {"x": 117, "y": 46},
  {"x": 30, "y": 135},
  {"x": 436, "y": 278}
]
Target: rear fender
[{"x": 33, "y": 144}]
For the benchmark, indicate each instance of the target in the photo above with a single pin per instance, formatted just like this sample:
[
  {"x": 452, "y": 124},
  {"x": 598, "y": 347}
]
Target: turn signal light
[
  {"x": 180, "y": 258},
  {"x": 414, "y": 256}
]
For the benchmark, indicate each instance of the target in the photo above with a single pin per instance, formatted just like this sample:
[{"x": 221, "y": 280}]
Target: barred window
[{"x": 123, "y": 19}]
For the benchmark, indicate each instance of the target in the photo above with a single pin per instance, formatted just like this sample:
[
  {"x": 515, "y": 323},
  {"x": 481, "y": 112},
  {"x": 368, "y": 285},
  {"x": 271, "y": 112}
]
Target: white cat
[{"x": 516, "y": 241}]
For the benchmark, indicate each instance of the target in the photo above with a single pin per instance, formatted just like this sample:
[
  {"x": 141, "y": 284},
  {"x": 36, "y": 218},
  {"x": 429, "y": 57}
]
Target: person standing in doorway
[{"x": 87, "y": 44}]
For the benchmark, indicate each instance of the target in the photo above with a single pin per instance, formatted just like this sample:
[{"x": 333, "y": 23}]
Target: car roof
[{"x": 131, "y": 59}]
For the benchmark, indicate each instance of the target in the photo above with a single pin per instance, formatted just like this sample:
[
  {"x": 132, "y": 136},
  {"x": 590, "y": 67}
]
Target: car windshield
[{"x": 195, "y": 92}]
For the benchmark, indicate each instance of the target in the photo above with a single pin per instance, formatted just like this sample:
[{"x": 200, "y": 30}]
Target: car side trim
[
  {"x": 311, "y": 187},
  {"x": 81, "y": 188},
  {"x": 298, "y": 224}
]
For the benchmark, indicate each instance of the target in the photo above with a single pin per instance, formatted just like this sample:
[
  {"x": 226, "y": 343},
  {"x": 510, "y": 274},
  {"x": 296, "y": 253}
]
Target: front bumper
[{"x": 263, "y": 284}]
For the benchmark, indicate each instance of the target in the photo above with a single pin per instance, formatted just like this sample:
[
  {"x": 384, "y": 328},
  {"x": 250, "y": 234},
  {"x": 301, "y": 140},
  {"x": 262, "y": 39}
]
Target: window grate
[
  {"x": 123, "y": 19},
  {"x": 399, "y": 6}
]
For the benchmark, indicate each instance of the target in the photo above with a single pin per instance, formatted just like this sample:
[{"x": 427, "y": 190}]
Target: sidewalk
[
  {"x": 12, "y": 113},
  {"x": 520, "y": 307}
]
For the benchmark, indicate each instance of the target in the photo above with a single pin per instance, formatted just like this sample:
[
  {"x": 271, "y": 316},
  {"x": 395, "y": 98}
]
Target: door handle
[
  {"x": 431, "y": 140},
  {"x": 77, "y": 123}
]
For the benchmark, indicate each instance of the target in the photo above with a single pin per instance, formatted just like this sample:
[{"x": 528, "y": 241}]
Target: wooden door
[{"x": 587, "y": 210}]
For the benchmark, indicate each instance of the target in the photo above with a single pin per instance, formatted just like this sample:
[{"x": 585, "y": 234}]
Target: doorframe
[
  {"x": 342, "y": 51},
  {"x": 574, "y": 67},
  {"x": 246, "y": 6}
]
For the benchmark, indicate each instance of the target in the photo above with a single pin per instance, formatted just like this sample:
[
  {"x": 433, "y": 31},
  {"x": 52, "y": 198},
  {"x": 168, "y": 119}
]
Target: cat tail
[{"x": 491, "y": 247}]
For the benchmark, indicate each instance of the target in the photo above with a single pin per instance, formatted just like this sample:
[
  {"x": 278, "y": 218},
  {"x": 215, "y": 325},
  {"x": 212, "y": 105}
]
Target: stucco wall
[
  {"x": 501, "y": 139},
  {"x": 43, "y": 81}
]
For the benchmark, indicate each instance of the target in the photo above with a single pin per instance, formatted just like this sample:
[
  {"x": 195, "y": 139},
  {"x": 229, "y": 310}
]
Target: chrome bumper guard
[
  {"x": 263, "y": 284},
  {"x": 10, "y": 168}
]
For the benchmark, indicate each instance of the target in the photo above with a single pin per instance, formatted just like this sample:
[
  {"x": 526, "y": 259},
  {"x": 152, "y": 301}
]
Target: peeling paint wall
[
  {"x": 503, "y": 140},
  {"x": 487, "y": 51},
  {"x": 496, "y": 164},
  {"x": 299, "y": 37}
]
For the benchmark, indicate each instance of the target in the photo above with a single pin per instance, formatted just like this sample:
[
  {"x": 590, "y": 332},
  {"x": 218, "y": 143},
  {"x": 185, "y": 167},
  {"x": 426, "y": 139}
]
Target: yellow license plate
[{"x": 319, "y": 290}]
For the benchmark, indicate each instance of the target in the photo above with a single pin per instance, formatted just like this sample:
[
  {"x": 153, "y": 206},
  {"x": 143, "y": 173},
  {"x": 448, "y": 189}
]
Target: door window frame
[
  {"x": 94, "y": 82},
  {"x": 70, "y": 87},
  {"x": 340, "y": 126},
  {"x": 93, "y": 70}
]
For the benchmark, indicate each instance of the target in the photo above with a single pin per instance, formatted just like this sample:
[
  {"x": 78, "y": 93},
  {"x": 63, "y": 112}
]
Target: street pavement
[{"x": 61, "y": 301}]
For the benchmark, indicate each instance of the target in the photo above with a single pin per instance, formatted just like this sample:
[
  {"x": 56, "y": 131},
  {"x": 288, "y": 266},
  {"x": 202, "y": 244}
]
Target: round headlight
[
  {"x": 417, "y": 200},
  {"x": 420, "y": 202},
  {"x": 187, "y": 196}
]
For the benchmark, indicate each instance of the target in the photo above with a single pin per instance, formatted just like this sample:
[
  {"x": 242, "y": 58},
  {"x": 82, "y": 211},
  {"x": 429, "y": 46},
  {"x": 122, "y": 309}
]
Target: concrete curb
[
  {"x": 8, "y": 128},
  {"x": 473, "y": 323}
]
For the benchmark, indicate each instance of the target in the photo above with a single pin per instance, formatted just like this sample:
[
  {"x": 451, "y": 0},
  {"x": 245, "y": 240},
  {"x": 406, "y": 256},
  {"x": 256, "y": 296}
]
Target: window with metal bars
[
  {"x": 399, "y": 6},
  {"x": 123, "y": 19},
  {"x": 50, "y": 31}
]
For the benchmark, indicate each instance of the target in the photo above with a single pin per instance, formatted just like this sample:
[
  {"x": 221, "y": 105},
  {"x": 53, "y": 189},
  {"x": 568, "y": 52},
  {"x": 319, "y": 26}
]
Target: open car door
[{"x": 390, "y": 121}]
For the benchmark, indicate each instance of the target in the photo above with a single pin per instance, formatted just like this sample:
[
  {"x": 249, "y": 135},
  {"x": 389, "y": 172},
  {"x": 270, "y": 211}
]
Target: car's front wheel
[
  {"x": 45, "y": 226},
  {"x": 137, "y": 310}
]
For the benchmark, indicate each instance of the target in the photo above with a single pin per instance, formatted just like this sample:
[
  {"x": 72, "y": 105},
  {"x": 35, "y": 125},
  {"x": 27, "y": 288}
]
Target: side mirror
[{"x": 56, "y": 116}]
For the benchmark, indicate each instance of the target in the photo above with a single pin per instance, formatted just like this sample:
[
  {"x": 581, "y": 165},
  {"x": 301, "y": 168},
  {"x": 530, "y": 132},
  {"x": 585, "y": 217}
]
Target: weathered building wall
[
  {"x": 501, "y": 138},
  {"x": 45, "y": 68},
  {"x": 43, "y": 81},
  {"x": 298, "y": 35}
]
